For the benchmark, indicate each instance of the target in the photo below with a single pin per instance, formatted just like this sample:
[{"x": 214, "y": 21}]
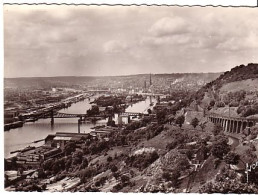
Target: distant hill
[
  {"x": 45, "y": 82},
  {"x": 237, "y": 88},
  {"x": 188, "y": 81},
  {"x": 226, "y": 81}
]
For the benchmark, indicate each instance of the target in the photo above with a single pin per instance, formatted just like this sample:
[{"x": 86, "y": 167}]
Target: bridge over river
[
  {"x": 82, "y": 117},
  {"x": 232, "y": 124}
]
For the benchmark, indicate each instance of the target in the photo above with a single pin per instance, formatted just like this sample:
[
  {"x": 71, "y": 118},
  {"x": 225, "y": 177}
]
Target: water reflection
[{"x": 20, "y": 138}]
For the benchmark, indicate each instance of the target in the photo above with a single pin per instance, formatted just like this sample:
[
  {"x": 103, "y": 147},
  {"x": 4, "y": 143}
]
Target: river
[{"x": 22, "y": 137}]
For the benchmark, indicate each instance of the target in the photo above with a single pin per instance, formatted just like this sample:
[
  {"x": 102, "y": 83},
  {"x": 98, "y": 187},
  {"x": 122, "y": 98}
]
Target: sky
[{"x": 60, "y": 40}]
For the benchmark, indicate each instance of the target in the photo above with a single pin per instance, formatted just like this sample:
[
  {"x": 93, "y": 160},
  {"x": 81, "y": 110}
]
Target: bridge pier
[
  {"x": 224, "y": 124},
  {"x": 221, "y": 122},
  {"x": 239, "y": 126},
  {"x": 231, "y": 126},
  {"x": 234, "y": 127},
  {"x": 79, "y": 124},
  {"x": 228, "y": 127},
  {"x": 242, "y": 127},
  {"x": 52, "y": 117}
]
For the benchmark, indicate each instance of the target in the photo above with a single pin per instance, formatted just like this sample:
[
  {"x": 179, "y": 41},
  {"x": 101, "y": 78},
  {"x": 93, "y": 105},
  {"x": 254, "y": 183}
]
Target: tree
[
  {"x": 68, "y": 163},
  {"x": 232, "y": 158},
  {"x": 203, "y": 125},
  {"x": 161, "y": 115},
  {"x": 166, "y": 176},
  {"x": 174, "y": 175},
  {"x": 172, "y": 144},
  {"x": 212, "y": 103},
  {"x": 254, "y": 132},
  {"x": 114, "y": 168},
  {"x": 195, "y": 122},
  {"x": 229, "y": 187},
  {"x": 69, "y": 148},
  {"x": 93, "y": 111},
  {"x": 56, "y": 168},
  {"x": 220, "y": 147},
  {"x": 216, "y": 162},
  {"x": 217, "y": 129},
  {"x": 87, "y": 173},
  {"x": 124, "y": 178},
  {"x": 109, "y": 159},
  {"x": 111, "y": 123},
  {"x": 180, "y": 120},
  {"x": 249, "y": 156},
  {"x": 220, "y": 104},
  {"x": 149, "y": 111},
  {"x": 77, "y": 157},
  {"x": 171, "y": 118}
]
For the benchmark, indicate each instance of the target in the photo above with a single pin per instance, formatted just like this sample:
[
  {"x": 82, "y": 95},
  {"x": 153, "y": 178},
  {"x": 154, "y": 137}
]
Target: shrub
[
  {"x": 109, "y": 159},
  {"x": 143, "y": 160},
  {"x": 172, "y": 145},
  {"x": 220, "y": 148},
  {"x": 217, "y": 129},
  {"x": 212, "y": 103},
  {"x": 220, "y": 104},
  {"x": 124, "y": 178},
  {"x": 180, "y": 120},
  {"x": 117, "y": 187},
  {"x": 234, "y": 103},
  {"x": 216, "y": 162},
  {"x": 232, "y": 158},
  {"x": 114, "y": 168},
  {"x": 166, "y": 176},
  {"x": 195, "y": 122}
]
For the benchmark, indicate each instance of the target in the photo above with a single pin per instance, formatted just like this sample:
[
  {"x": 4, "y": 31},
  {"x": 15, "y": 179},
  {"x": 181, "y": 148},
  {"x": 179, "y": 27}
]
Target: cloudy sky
[{"x": 48, "y": 40}]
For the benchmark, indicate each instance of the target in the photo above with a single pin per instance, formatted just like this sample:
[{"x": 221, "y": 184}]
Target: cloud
[
  {"x": 169, "y": 26},
  {"x": 115, "y": 46},
  {"x": 240, "y": 43},
  {"x": 53, "y": 40},
  {"x": 166, "y": 40}
]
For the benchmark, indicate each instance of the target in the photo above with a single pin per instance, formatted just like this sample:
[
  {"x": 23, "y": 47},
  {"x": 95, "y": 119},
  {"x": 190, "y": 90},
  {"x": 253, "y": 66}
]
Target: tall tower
[
  {"x": 145, "y": 85},
  {"x": 150, "y": 80}
]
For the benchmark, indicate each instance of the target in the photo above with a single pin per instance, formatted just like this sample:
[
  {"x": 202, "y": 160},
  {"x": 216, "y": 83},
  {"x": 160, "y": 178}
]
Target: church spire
[{"x": 150, "y": 80}]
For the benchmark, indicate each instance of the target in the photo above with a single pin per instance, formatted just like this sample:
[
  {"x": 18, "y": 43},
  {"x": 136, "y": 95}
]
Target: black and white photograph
[{"x": 130, "y": 99}]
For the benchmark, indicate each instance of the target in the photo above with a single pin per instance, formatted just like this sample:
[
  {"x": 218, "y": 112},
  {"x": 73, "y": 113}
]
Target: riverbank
[
  {"x": 32, "y": 116},
  {"x": 37, "y": 130}
]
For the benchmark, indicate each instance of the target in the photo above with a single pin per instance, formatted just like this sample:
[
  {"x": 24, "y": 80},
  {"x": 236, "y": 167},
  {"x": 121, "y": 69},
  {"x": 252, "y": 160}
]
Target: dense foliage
[{"x": 237, "y": 73}]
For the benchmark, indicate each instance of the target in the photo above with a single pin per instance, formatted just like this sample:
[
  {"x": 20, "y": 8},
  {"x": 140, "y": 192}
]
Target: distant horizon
[{"x": 116, "y": 75}]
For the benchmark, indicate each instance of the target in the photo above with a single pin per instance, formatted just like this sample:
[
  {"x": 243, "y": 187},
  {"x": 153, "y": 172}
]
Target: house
[
  {"x": 49, "y": 139},
  {"x": 102, "y": 109},
  {"x": 60, "y": 139},
  {"x": 34, "y": 156}
]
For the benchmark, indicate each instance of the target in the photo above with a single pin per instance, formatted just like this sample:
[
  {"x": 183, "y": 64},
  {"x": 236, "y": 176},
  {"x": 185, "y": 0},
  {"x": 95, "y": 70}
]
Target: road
[{"x": 233, "y": 142}]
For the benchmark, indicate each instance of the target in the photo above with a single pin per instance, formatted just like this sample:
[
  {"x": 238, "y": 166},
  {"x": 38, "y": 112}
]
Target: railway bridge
[{"x": 232, "y": 124}]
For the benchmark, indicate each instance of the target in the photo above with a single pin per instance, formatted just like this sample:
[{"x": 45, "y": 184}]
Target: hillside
[
  {"x": 154, "y": 158},
  {"x": 247, "y": 85},
  {"x": 237, "y": 88},
  {"x": 193, "y": 81},
  {"x": 238, "y": 73}
]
